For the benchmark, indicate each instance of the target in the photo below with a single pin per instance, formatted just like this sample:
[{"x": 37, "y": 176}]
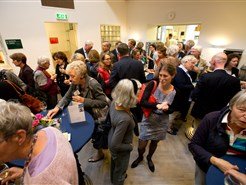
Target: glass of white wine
[{"x": 3, "y": 171}]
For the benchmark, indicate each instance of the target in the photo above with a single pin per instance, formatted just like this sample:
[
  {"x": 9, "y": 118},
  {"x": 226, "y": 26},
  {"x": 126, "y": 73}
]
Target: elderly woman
[
  {"x": 83, "y": 89},
  {"x": 45, "y": 82},
  {"x": 49, "y": 156},
  {"x": 221, "y": 132},
  {"x": 78, "y": 56},
  {"x": 62, "y": 78},
  {"x": 121, "y": 133}
]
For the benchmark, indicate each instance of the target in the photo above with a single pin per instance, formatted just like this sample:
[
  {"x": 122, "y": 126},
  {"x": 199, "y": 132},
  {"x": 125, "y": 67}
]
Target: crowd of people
[{"x": 179, "y": 76}]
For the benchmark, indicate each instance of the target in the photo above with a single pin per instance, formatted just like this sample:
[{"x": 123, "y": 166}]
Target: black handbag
[{"x": 100, "y": 134}]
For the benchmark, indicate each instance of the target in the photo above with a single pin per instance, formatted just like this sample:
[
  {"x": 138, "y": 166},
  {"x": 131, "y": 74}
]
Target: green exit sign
[{"x": 61, "y": 16}]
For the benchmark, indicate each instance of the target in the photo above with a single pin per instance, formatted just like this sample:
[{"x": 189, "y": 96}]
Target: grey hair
[
  {"x": 13, "y": 117},
  {"x": 89, "y": 42},
  {"x": 190, "y": 43},
  {"x": 188, "y": 58},
  {"x": 172, "y": 50},
  {"x": 79, "y": 67},
  {"x": 198, "y": 48},
  {"x": 239, "y": 100},
  {"x": 123, "y": 94},
  {"x": 78, "y": 56},
  {"x": 43, "y": 60}
]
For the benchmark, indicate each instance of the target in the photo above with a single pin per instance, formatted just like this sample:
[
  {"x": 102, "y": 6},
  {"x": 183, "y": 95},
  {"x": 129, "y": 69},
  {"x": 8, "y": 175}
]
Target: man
[
  {"x": 126, "y": 67},
  {"x": 85, "y": 51},
  {"x": 201, "y": 65},
  {"x": 213, "y": 90},
  {"x": 131, "y": 45},
  {"x": 114, "y": 52},
  {"x": 170, "y": 40},
  {"x": 105, "y": 48},
  {"x": 188, "y": 45},
  {"x": 182, "y": 83},
  {"x": 26, "y": 73}
]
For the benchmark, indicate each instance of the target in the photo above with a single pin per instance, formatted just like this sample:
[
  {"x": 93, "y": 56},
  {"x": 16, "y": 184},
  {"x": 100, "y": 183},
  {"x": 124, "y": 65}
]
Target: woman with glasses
[
  {"x": 104, "y": 70},
  {"x": 49, "y": 156},
  {"x": 219, "y": 133}
]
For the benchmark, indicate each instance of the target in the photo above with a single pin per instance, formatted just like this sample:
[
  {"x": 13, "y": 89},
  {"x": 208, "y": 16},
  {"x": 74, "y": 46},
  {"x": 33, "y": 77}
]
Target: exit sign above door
[{"x": 61, "y": 16}]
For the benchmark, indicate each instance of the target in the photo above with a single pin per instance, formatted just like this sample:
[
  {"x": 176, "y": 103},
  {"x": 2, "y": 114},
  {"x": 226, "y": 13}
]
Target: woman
[
  {"x": 161, "y": 55},
  {"x": 242, "y": 77},
  {"x": 104, "y": 70},
  {"x": 154, "y": 127},
  {"x": 46, "y": 153},
  {"x": 92, "y": 65},
  {"x": 62, "y": 78},
  {"x": 26, "y": 73},
  {"x": 211, "y": 140},
  {"x": 231, "y": 64},
  {"x": 83, "y": 89},
  {"x": 121, "y": 133},
  {"x": 45, "y": 81},
  {"x": 136, "y": 55}
]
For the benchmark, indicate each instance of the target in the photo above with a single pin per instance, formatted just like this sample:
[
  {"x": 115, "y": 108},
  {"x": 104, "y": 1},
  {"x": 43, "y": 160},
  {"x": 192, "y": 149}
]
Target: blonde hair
[
  {"x": 123, "y": 94},
  {"x": 78, "y": 56}
]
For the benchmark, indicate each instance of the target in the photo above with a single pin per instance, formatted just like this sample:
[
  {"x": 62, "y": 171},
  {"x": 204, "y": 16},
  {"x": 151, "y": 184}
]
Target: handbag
[
  {"x": 34, "y": 104},
  {"x": 152, "y": 99},
  {"x": 100, "y": 134}
]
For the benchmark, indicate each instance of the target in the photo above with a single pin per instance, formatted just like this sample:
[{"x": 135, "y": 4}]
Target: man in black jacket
[
  {"x": 214, "y": 90},
  {"x": 126, "y": 67},
  {"x": 86, "y": 49}
]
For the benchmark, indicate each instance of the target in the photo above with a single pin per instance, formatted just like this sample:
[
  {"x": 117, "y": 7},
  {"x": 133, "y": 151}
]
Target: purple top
[{"x": 43, "y": 160}]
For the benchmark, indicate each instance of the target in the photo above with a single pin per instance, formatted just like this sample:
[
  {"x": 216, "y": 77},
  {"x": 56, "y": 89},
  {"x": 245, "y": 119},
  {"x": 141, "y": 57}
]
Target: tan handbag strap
[{"x": 16, "y": 88}]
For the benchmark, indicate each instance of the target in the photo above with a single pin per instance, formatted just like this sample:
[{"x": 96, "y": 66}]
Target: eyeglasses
[{"x": 107, "y": 59}]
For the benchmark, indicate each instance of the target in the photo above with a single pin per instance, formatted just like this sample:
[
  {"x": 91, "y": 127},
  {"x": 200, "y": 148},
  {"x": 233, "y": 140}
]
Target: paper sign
[{"x": 76, "y": 112}]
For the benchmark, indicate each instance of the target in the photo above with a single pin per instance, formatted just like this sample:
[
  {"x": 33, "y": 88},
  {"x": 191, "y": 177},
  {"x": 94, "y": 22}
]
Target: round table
[{"x": 216, "y": 177}]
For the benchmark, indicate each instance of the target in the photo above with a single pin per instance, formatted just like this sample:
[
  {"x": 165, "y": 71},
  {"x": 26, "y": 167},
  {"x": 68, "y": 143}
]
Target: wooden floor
[{"x": 173, "y": 162}]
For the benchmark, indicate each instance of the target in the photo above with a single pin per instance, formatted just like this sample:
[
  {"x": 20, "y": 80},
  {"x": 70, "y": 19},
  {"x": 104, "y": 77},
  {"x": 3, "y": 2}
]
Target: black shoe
[
  {"x": 151, "y": 164},
  {"x": 136, "y": 162}
]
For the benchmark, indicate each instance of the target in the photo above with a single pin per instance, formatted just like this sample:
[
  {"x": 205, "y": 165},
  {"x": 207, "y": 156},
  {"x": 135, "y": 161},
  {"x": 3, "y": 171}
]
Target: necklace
[{"x": 34, "y": 139}]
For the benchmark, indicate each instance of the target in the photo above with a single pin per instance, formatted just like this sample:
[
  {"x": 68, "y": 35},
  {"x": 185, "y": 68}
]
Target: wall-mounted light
[{"x": 219, "y": 42}]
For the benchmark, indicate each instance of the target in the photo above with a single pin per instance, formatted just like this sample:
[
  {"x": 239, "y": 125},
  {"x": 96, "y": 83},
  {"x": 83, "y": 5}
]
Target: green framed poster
[{"x": 14, "y": 43}]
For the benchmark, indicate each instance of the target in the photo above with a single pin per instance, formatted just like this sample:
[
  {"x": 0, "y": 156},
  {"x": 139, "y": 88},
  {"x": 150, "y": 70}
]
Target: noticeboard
[{"x": 14, "y": 43}]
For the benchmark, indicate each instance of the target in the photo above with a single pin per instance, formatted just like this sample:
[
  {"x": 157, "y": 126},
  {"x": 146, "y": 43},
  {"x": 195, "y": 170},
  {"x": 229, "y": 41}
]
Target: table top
[
  {"x": 216, "y": 177},
  {"x": 80, "y": 132}
]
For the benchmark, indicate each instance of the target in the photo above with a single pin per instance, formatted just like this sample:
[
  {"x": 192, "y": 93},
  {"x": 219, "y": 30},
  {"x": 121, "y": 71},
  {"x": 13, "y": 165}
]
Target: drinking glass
[
  {"x": 230, "y": 180},
  {"x": 3, "y": 172}
]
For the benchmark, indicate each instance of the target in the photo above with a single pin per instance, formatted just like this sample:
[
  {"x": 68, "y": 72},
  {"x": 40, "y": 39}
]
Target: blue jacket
[{"x": 210, "y": 139}]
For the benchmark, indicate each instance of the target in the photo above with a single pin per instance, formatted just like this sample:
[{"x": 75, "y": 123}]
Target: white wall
[
  {"x": 25, "y": 20},
  {"x": 220, "y": 21}
]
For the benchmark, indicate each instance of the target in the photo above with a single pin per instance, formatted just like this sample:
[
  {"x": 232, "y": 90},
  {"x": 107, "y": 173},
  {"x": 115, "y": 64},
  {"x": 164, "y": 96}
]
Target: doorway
[
  {"x": 181, "y": 33},
  {"x": 62, "y": 36}
]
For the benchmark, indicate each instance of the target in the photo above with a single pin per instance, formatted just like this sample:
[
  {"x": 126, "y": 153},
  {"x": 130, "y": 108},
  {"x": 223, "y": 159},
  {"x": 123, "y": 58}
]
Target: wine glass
[
  {"x": 3, "y": 171},
  {"x": 44, "y": 106}
]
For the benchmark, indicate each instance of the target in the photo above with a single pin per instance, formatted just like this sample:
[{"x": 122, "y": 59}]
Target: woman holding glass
[
  {"x": 154, "y": 127},
  {"x": 62, "y": 78},
  {"x": 46, "y": 82},
  {"x": 48, "y": 154},
  {"x": 219, "y": 133}
]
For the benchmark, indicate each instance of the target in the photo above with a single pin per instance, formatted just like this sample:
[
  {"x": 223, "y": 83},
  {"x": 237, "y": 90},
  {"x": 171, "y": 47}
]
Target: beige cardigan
[{"x": 62, "y": 170}]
